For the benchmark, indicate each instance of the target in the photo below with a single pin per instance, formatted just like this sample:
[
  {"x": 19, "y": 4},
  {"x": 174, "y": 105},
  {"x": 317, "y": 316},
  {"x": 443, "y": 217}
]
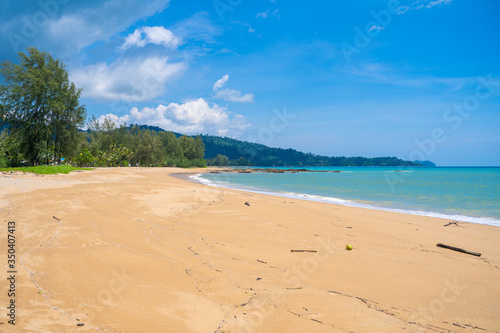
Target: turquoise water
[{"x": 464, "y": 194}]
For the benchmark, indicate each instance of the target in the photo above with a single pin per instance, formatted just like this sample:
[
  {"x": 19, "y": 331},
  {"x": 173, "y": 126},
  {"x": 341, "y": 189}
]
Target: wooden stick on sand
[{"x": 458, "y": 249}]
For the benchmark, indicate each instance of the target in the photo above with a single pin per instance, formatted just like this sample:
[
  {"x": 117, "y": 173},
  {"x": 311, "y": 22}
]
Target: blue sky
[{"x": 416, "y": 79}]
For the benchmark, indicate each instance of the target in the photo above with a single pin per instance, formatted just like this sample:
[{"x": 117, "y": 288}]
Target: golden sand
[{"x": 137, "y": 250}]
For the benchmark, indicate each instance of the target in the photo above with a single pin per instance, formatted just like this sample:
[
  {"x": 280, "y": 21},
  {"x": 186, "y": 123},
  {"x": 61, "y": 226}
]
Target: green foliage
[
  {"x": 40, "y": 106},
  {"x": 198, "y": 163},
  {"x": 84, "y": 158},
  {"x": 9, "y": 150},
  {"x": 45, "y": 170},
  {"x": 220, "y": 160},
  {"x": 243, "y": 162},
  {"x": 3, "y": 161},
  {"x": 3, "y": 148},
  {"x": 115, "y": 156},
  {"x": 193, "y": 148},
  {"x": 134, "y": 144}
]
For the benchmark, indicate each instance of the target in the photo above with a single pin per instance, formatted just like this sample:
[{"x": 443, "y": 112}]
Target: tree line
[{"x": 108, "y": 145}]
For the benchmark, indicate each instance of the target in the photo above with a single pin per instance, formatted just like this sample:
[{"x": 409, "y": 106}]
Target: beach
[{"x": 139, "y": 250}]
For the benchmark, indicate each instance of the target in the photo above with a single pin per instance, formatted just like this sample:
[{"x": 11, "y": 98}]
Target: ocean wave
[{"x": 350, "y": 203}]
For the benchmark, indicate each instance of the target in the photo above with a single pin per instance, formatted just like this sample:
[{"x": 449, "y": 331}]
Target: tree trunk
[{"x": 55, "y": 147}]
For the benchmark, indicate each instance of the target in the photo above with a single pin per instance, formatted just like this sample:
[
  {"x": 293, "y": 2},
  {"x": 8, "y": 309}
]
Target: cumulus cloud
[
  {"x": 221, "y": 82},
  {"x": 192, "y": 117},
  {"x": 151, "y": 35},
  {"x": 133, "y": 80},
  {"x": 234, "y": 96}
]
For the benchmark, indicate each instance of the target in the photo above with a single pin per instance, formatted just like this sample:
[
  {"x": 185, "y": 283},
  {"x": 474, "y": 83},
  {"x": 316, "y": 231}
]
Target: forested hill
[{"x": 247, "y": 153}]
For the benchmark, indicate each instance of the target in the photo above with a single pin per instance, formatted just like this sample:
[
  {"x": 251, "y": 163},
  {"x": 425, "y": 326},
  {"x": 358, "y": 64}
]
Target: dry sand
[{"x": 137, "y": 250}]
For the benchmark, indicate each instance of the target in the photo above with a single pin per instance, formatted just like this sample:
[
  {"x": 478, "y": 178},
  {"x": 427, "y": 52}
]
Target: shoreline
[
  {"x": 482, "y": 220},
  {"x": 129, "y": 249}
]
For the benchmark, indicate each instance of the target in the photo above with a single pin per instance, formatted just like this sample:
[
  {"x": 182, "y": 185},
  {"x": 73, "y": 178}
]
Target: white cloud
[
  {"x": 132, "y": 80},
  {"x": 230, "y": 94},
  {"x": 221, "y": 82},
  {"x": 263, "y": 14},
  {"x": 420, "y": 4},
  {"x": 234, "y": 96},
  {"x": 192, "y": 117},
  {"x": 431, "y": 4},
  {"x": 134, "y": 38},
  {"x": 266, "y": 14},
  {"x": 376, "y": 27},
  {"x": 151, "y": 35}
]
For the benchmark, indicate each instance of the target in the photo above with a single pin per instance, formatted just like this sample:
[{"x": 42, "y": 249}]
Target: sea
[{"x": 469, "y": 194}]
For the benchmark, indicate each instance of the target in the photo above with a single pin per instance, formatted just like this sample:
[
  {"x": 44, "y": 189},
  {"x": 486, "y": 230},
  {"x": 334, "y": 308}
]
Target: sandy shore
[{"x": 137, "y": 250}]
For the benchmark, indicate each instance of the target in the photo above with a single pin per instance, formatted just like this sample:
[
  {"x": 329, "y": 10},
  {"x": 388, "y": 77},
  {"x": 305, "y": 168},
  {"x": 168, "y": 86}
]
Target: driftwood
[
  {"x": 454, "y": 223},
  {"x": 303, "y": 251},
  {"x": 458, "y": 249}
]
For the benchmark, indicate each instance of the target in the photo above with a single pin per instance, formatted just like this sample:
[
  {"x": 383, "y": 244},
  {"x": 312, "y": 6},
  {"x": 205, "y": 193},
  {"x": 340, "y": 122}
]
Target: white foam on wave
[
  {"x": 349, "y": 203},
  {"x": 198, "y": 177}
]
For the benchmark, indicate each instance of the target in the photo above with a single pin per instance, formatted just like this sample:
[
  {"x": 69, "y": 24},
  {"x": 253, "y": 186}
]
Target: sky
[{"x": 415, "y": 79}]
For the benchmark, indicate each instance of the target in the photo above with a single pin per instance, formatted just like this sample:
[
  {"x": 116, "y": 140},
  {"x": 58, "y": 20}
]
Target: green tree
[
  {"x": 193, "y": 148},
  {"x": 84, "y": 158},
  {"x": 242, "y": 161},
  {"x": 4, "y": 138},
  {"x": 171, "y": 145},
  {"x": 199, "y": 148},
  {"x": 221, "y": 160},
  {"x": 40, "y": 105},
  {"x": 10, "y": 150},
  {"x": 146, "y": 150}
]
